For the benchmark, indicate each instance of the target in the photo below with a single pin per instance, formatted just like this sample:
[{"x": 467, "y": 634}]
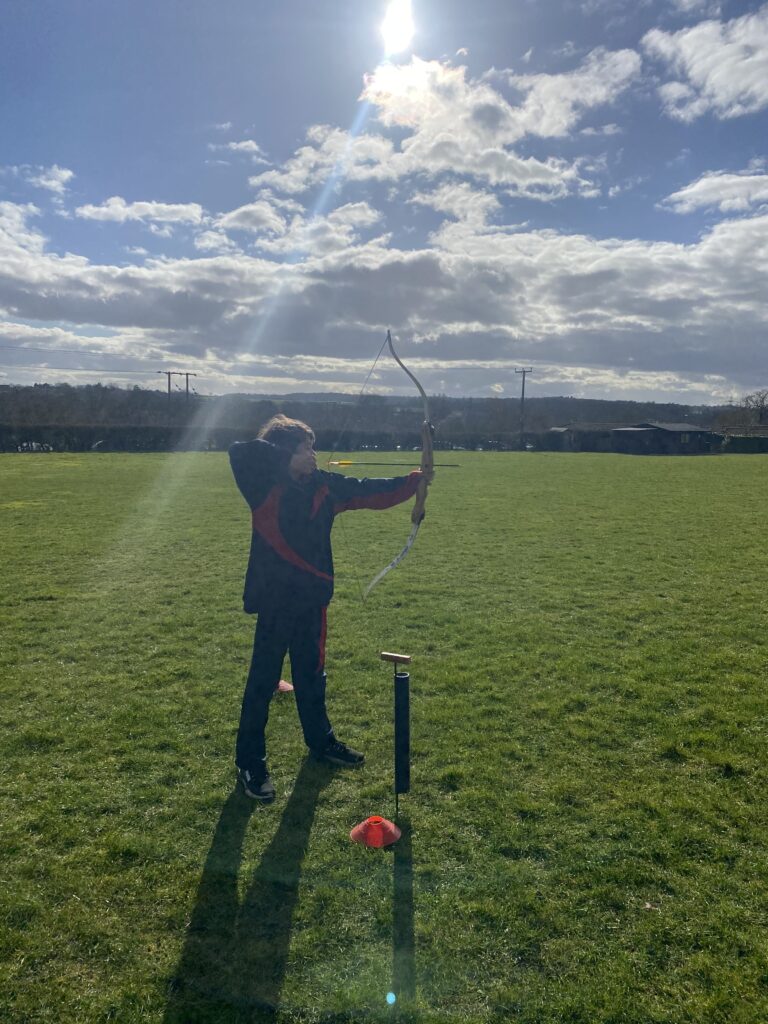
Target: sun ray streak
[{"x": 164, "y": 489}]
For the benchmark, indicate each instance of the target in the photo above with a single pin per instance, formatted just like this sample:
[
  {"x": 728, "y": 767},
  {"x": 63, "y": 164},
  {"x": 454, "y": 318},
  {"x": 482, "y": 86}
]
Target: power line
[
  {"x": 74, "y": 369},
  {"x": 51, "y": 348}
]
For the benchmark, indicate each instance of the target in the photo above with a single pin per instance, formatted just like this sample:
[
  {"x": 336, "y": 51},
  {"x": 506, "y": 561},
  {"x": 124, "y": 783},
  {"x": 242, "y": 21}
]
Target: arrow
[{"x": 348, "y": 462}]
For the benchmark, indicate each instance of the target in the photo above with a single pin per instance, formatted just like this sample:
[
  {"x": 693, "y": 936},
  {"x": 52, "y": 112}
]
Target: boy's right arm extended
[{"x": 257, "y": 467}]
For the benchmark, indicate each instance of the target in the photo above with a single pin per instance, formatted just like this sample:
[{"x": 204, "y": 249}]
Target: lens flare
[{"x": 397, "y": 27}]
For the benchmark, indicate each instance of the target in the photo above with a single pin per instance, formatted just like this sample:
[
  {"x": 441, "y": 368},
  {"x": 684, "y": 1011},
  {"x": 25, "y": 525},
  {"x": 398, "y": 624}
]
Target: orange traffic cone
[{"x": 375, "y": 831}]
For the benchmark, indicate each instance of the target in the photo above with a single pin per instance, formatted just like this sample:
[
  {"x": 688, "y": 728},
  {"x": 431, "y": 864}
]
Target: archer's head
[{"x": 295, "y": 437}]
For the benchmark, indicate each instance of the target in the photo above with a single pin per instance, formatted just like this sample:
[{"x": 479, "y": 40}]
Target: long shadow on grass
[
  {"x": 234, "y": 958},
  {"x": 403, "y": 948}
]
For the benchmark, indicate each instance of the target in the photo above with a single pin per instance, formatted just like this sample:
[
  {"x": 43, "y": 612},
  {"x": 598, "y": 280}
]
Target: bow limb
[
  {"x": 400, "y": 363},
  {"x": 427, "y": 455},
  {"x": 395, "y": 561},
  {"x": 427, "y": 472}
]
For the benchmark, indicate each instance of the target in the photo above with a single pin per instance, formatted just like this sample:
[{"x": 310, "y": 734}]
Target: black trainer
[
  {"x": 341, "y": 754},
  {"x": 257, "y": 785}
]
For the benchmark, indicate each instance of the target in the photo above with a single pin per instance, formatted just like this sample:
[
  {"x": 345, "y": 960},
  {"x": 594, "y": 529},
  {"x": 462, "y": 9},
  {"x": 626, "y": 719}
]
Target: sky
[{"x": 255, "y": 191}]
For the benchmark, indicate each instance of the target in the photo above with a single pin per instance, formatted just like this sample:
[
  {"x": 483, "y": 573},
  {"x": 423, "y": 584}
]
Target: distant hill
[
  {"x": 73, "y": 417},
  {"x": 541, "y": 413},
  {"x": 112, "y": 405}
]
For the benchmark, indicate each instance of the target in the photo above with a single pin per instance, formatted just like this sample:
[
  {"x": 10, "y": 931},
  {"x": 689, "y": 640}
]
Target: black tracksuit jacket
[{"x": 291, "y": 563}]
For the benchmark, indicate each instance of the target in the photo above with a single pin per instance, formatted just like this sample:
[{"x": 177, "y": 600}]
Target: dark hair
[{"x": 286, "y": 433}]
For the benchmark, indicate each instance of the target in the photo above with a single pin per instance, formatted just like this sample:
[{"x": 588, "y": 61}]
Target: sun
[{"x": 397, "y": 27}]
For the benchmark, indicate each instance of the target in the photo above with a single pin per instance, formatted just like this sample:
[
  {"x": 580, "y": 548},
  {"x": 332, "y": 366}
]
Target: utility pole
[
  {"x": 186, "y": 381},
  {"x": 177, "y": 373},
  {"x": 525, "y": 370}
]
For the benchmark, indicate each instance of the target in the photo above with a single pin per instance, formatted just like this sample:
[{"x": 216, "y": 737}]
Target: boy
[{"x": 289, "y": 583}]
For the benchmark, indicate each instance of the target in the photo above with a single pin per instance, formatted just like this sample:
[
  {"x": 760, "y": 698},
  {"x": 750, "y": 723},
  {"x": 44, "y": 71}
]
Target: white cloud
[
  {"x": 568, "y": 49},
  {"x": 616, "y": 13},
  {"x": 247, "y": 146},
  {"x": 460, "y": 127},
  {"x": 25, "y": 333},
  {"x": 321, "y": 235},
  {"x": 355, "y": 215},
  {"x": 214, "y": 241},
  {"x": 267, "y": 215},
  {"x": 260, "y": 217},
  {"x": 461, "y": 201},
  {"x": 479, "y": 297},
  {"x": 54, "y": 179},
  {"x": 722, "y": 67},
  {"x": 554, "y": 104},
  {"x": 730, "y": 193},
  {"x": 16, "y": 237},
  {"x": 251, "y": 148},
  {"x": 116, "y": 209},
  {"x": 710, "y": 8},
  {"x": 605, "y": 129},
  {"x": 468, "y": 127},
  {"x": 626, "y": 185},
  {"x": 330, "y": 150},
  {"x": 59, "y": 339}
]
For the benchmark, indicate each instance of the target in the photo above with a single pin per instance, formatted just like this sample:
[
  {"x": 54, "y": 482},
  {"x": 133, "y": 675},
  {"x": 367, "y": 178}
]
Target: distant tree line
[
  {"x": 751, "y": 414},
  {"x": 136, "y": 419}
]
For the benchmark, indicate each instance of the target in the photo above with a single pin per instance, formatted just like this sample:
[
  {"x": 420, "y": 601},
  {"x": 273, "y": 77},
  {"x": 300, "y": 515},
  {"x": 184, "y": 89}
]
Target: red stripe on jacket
[
  {"x": 265, "y": 522},
  {"x": 403, "y": 493},
  {"x": 320, "y": 496}
]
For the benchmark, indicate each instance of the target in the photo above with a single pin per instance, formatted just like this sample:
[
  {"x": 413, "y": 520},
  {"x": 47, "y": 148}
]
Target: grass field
[{"x": 585, "y": 840}]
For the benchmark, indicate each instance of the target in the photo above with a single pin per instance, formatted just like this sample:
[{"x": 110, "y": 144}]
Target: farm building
[
  {"x": 635, "y": 439},
  {"x": 664, "y": 439},
  {"x": 580, "y": 437},
  {"x": 746, "y": 439}
]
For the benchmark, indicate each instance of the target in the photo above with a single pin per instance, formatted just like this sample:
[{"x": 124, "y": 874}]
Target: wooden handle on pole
[{"x": 397, "y": 659}]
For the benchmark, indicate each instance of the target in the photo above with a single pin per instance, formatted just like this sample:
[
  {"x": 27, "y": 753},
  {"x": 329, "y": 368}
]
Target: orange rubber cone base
[
  {"x": 284, "y": 687},
  {"x": 375, "y": 831}
]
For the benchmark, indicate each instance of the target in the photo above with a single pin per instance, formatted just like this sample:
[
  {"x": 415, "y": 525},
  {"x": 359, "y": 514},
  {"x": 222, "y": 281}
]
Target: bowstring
[{"x": 335, "y": 451}]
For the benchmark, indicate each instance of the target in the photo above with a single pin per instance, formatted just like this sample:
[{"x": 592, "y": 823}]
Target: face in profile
[{"x": 304, "y": 460}]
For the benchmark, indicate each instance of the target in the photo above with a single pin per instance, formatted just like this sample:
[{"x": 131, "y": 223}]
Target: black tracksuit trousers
[{"x": 300, "y": 633}]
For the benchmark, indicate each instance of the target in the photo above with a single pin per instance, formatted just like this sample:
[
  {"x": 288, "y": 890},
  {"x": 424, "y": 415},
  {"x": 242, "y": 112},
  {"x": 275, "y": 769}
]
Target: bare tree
[{"x": 757, "y": 406}]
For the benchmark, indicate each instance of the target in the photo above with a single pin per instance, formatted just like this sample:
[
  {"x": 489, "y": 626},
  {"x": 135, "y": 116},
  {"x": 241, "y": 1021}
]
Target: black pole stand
[{"x": 402, "y": 680}]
